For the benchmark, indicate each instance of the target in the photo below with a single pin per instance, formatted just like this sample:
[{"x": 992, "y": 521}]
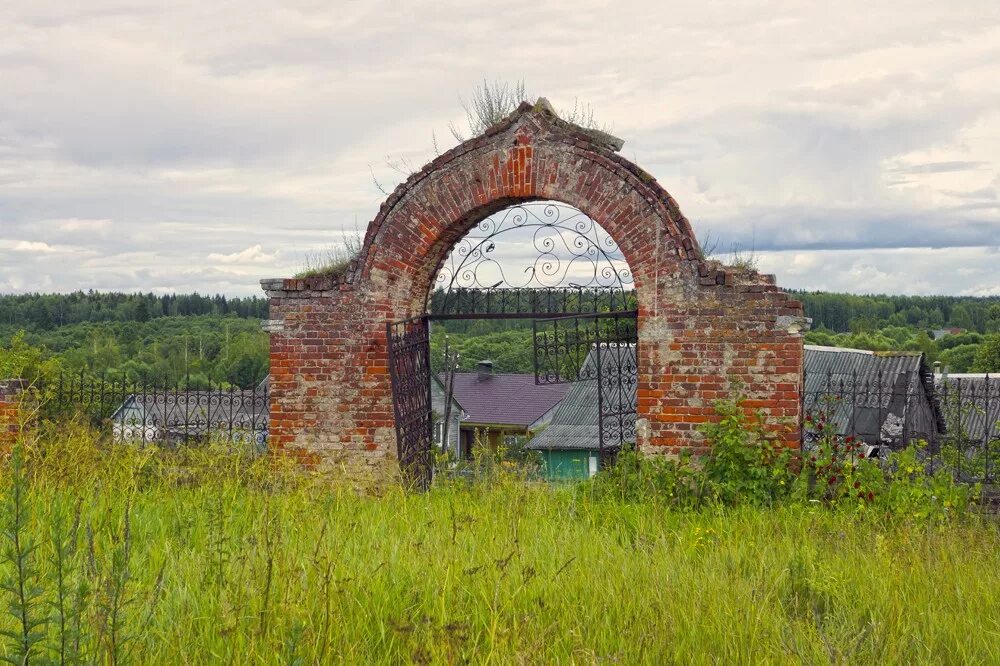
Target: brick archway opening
[
  {"x": 548, "y": 275},
  {"x": 702, "y": 325}
]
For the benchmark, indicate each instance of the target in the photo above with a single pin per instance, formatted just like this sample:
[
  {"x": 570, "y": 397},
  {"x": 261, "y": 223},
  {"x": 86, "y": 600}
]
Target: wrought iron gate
[
  {"x": 410, "y": 373},
  {"x": 599, "y": 348}
]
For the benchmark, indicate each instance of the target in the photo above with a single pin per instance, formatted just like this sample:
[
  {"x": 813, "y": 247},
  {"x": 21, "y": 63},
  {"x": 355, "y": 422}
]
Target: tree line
[
  {"x": 43, "y": 312},
  {"x": 843, "y": 313},
  {"x": 188, "y": 338}
]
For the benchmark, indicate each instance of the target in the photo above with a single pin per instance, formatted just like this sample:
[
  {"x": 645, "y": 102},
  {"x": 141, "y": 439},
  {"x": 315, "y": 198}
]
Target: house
[
  {"x": 569, "y": 444},
  {"x": 173, "y": 417},
  {"x": 501, "y": 407},
  {"x": 878, "y": 397},
  {"x": 939, "y": 333},
  {"x": 455, "y": 416}
]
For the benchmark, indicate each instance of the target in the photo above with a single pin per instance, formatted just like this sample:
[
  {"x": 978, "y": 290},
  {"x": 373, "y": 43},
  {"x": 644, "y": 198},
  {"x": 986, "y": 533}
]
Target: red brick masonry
[
  {"x": 701, "y": 326},
  {"x": 10, "y": 412}
]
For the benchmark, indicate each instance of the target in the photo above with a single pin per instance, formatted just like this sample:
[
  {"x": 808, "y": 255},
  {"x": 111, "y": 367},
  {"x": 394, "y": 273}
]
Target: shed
[
  {"x": 570, "y": 443},
  {"x": 878, "y": 397}
]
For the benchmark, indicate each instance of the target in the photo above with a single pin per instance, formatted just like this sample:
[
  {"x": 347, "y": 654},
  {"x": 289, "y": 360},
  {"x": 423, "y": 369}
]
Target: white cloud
[
  {"x": 255, "y": 253},
  {"x": 74, "y": 224},
  {"x": 27, "y": 246},
  {"x": 917, "y": 271},
  {"x": 151, "y": 138}
]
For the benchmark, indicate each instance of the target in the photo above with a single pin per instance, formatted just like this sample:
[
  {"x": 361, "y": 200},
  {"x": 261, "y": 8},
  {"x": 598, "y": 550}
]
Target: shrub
[
  {"x": 676, "y": 482},
  {"x": 837, "y": 470},
  {"x": 746, "y": 465},
  {"x": 912, "y": 489}
]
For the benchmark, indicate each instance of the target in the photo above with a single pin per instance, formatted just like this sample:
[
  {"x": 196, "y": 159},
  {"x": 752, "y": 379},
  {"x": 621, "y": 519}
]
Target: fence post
[{"x": 988, "y": 424}]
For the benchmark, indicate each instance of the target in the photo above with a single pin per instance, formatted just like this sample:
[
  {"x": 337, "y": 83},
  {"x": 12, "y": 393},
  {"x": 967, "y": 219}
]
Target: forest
[
  {"x": 166, "y": 340},
  {"x": 199, "y": 340}
]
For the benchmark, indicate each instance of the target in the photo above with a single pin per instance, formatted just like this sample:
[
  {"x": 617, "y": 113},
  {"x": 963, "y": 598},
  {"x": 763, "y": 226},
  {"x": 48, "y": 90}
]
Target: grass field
[{"x": 217, "y": 559}]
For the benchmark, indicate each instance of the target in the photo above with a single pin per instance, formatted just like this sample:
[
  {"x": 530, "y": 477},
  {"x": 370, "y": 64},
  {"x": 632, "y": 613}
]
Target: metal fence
[
  {"x": 955, "y": 421},
  {"x": 143, "y": 412}
]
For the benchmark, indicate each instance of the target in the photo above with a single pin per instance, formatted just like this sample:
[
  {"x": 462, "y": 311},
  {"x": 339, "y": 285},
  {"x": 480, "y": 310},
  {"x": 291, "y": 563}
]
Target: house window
[
  {"x": 593, "y": 465},
  {"x": 439, "y": 432}
]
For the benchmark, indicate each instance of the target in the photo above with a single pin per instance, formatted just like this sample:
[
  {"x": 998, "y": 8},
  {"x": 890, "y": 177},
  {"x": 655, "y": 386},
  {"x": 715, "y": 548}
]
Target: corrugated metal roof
[
  {"x": 868, "y": 366},
  {"x": 876, "y": 396},
  {"x": 574, "y": 423},
  {"x": 970, "y": 404}
]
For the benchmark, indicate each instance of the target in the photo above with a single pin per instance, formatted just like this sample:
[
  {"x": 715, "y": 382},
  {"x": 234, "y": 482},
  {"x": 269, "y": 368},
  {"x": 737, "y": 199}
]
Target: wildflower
[
  {"x": 833, "y": 479},
  {"x": 861, "y": 455},
  {"x": 871, "y": 496},
  {"x": 857, "y": 484}
]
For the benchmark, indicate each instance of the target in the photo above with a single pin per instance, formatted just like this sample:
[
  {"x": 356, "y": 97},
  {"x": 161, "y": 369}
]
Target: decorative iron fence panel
[
  {"x": 955, "y": 420},
  {"x": 599, "y": 348},
  {"x": 142, "y": 412}
]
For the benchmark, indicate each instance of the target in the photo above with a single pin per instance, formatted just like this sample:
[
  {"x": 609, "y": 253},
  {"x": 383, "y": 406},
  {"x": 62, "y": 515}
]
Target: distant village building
[
  {"x": 455, "y": 415},
  {"x": 877, "y": 397},
  {"x": 498, "y": 408},
  {"x": 570, "y": 442},
  {"x": 939, "y": 333}
]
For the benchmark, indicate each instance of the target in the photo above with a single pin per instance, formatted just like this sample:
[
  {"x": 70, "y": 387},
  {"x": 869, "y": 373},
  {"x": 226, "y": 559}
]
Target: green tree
[
  {"x": 20, "y": 360},
  {"x": 993, "y": 319},
  {"x": 960, "y": 358},
  {"x": 961, "y": 318},
  {"x": 988, "y": 356},
  {"x": 922, "y": 342}
]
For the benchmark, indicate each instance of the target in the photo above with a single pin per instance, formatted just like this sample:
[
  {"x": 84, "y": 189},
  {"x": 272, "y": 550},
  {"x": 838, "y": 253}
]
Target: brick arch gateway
[{"x": 699, "y": 325}]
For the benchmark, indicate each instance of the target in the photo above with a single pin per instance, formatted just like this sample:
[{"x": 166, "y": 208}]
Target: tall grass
[{"x": 213, "y": 556}]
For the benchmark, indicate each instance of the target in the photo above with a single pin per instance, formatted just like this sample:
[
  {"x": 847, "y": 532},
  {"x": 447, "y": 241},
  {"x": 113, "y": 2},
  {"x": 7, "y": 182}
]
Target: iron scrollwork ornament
[{"x": 570, "y": 250}]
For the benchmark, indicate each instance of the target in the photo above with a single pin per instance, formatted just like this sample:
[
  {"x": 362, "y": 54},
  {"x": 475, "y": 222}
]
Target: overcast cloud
[{"x": 205, "y": 145}]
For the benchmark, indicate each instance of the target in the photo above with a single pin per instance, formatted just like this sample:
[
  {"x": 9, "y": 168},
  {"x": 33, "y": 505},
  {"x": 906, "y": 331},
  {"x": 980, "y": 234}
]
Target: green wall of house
[{"x": 567, "y": 465}]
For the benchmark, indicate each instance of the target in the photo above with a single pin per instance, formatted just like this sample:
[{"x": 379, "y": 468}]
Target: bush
[
  {"x": 836, "y": 470},
  {"x": 675, "y": 482},
  {"x": 746, "y": 466}
]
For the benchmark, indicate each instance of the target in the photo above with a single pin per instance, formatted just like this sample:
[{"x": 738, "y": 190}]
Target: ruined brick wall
[
  {"x": 700, "y": 325},
  {"x": 10, "y": 412}
]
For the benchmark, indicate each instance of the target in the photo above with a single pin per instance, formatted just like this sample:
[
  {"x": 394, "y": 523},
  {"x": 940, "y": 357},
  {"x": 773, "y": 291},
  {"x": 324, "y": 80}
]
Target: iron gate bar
[
  {"x": 603, "y": 348},
  {"x": 408, "y": 346}
]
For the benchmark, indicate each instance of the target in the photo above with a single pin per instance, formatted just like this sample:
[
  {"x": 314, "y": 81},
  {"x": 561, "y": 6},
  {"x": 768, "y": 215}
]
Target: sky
[{"x": 182, "y": 146}]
